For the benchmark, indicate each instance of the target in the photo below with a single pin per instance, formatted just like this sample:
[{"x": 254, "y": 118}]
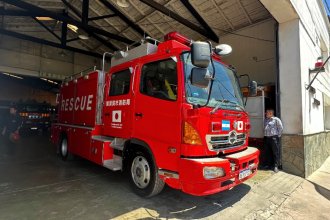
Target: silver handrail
[
  {"x": 100, "y": 91},
  {"x": 103, "y": 59},
  {"x": 80, "y": 73}
]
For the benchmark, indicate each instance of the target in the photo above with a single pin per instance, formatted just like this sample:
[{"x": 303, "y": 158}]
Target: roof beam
[
  {"x": 85, "y": 6},
  {"x": 199, "y": 18},
  {"x": 47, "y": 28},
  {"x": 103, "y": 41},
  {"x": 63, "y": 18},
  {"x": 92, "y": 34},
  {"x": 73, "y": 39},
  {"x": 73, "y": 9},
  {"x": 64, "y": 34},
  {"x": 244, "y": 11},
  {"x": 223, "y": 15},
  {"x": 131, "y": 23},
  {"x": 26, "y": 13},
  {"x": 102, "y": 17},
  {"x": 49, "y": 43},
  {"x": 9, "y": 12},
  {"x": 169, "y": 13},
  {"x": 117, "y": 28},
  {"x": 146, "y": 17}
]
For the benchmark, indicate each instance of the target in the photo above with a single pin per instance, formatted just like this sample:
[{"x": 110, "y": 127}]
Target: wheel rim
[
  {"x": 64, "y": 147},
  {"x": 140, "y": 172}
]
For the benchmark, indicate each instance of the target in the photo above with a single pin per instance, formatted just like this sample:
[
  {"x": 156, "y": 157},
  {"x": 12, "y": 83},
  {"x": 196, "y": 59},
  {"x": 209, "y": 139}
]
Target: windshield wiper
[
  {"x": 225, "y": 101},
  {"x": 219, "y": 105},
  {"x": 239, "y": 106}
]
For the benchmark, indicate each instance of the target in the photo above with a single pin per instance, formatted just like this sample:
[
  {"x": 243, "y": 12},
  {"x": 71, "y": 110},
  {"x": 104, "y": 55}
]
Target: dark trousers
[
  {"x": 6, "y": 146},
  {"x": 272, "y": 148}
]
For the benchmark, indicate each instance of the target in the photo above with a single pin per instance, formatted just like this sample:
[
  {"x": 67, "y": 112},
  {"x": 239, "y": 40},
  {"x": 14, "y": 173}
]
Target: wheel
[
  {"x": 63, "y": 149},
  {"x": 144, "y": 176}
]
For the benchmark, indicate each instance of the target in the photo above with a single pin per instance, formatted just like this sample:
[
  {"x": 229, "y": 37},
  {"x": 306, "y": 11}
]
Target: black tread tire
[
  {"x": 67, "y": 155},
  {"x": 155, "y": 185}
]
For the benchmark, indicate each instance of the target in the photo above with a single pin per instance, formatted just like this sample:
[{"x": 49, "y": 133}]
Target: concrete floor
[{"x": 36, "y": 184}]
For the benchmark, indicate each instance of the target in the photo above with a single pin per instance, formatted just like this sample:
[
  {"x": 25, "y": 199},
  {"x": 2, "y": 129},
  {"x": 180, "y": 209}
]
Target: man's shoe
[{"x": 275, "y": 169}]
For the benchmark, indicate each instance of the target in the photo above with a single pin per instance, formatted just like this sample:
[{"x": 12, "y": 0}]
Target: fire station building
[
  {"x": 303, "y": 37},
  {"x": 277, "y": 43},
  {"x": 280, "y": 44}
]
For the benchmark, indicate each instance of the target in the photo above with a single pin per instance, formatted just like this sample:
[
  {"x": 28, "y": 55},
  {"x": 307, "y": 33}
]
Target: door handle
[
  {"x": 138, "y": 114},
  {"x": 107, "y": 114}
]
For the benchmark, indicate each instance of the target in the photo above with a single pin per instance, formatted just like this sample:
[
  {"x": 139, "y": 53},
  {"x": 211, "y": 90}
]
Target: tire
[
  {"x": 144, "y": 178},
  {"x": 63, "y": 149}
]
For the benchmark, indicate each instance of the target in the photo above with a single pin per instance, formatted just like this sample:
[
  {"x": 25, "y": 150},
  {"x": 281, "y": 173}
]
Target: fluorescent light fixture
[
  {"x": 11, "y": 75},
  {"x": 44, "y": 18},
  {"x": 122, "y": 3},
  {"x": 83, "y": 37},
  {"x": 73, "y": 28},
  {"x": 50, "y": 81}
]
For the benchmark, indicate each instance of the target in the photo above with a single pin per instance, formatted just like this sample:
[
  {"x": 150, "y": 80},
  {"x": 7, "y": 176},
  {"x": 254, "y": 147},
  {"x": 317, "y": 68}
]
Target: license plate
[{"x": 244, "y": 173}]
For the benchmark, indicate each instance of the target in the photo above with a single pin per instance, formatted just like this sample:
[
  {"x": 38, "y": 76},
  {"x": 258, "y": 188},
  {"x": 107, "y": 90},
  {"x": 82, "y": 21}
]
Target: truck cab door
[
  {"x": 157, "y": 112},
  {"x": 117, "y": 116}
]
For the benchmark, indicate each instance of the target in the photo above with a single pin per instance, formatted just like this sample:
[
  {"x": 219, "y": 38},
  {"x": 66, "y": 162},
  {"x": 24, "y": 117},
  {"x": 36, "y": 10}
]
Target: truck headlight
[{"x": 213, "y": 172}]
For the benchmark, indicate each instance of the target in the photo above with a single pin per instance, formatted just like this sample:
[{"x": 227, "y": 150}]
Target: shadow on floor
[{"x": 321, "y": 190}]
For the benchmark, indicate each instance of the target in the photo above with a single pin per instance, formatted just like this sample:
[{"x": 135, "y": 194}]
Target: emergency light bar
[{"x": 178, "y": 37}]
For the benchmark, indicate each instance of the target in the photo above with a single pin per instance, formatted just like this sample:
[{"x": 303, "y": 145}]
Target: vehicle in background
[{"x": 36, "y": 117}]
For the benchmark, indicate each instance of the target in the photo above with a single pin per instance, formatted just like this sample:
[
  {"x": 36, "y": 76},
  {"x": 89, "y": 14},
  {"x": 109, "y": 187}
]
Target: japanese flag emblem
[
  {"x": 116, "y": 116},
  {"x": 240, "y": 125}
]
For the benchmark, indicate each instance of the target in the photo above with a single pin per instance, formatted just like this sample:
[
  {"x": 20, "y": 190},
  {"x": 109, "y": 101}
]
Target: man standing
[
  {"x": 12, "y": 123},
  {"x": 272, "y": 131}
]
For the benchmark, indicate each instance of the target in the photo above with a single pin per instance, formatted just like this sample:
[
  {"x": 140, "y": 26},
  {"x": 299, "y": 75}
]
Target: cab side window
[
  {"x": 159, "y": 80},
  {"x": 120, "y": 83}
]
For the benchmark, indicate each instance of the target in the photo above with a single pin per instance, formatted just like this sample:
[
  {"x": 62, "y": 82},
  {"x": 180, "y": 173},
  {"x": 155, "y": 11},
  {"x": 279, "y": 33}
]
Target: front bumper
[
  {"x": 193, "y": 182},
  {"x": 35, "y": 125}
]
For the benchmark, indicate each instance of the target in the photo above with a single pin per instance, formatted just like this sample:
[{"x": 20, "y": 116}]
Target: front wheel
[{"x": 144, "y": 176}]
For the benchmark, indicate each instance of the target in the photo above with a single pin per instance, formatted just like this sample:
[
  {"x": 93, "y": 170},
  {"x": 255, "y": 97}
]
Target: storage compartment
[{"x": 100, "y": 151}]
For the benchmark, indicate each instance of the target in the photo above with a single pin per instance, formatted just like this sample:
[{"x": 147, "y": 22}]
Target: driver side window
[{"x": 159, "y": 80}]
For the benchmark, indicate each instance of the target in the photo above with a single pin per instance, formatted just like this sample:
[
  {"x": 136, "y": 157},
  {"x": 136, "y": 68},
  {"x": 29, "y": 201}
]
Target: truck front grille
[
  {"x": 224, "y": 146},
  {"x": 222, "y": 142}
]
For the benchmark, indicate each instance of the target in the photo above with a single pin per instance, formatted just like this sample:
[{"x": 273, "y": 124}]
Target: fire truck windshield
[{"x": 225, "y": 92}]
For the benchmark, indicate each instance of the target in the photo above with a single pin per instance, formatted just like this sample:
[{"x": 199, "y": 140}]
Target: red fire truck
[{"x": 167, "y": 112}]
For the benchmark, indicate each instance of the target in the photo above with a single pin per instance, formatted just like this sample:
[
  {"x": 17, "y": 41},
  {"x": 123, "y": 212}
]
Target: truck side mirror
[
  {"x": 199, "y": 77},
  {"x": 253, "y": 88},
  {"x": 200, "y": 54}
]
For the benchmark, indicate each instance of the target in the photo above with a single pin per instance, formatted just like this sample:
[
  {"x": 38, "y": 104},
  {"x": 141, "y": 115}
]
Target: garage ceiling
[{"x": 109, "y": 27}]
